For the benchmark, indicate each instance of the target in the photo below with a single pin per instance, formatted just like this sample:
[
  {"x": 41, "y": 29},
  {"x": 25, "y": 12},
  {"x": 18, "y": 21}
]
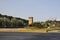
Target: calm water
[{"x": 29, "y": 36}]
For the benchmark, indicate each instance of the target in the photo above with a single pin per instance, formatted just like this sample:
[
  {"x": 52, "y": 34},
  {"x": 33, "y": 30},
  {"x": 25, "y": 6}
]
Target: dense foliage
[
  {"x": 50, "y": 23},
  {"x": 37, "y": 25},
  {"x": 15, "y": 22},
  {"x": 46, "y": 24},
  {"x": 10, "y": 21}
]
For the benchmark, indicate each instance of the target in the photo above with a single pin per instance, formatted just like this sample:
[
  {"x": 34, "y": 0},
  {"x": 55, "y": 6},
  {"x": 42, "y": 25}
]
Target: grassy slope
[{"x": 26, "y": 29}]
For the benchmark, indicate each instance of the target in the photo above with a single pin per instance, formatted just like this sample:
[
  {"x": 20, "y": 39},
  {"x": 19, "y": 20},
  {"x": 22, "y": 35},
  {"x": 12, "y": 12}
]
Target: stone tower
[{"x": 30, "y": 20}]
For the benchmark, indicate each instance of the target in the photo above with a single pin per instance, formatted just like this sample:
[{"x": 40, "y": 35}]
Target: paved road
[{"x": 29, "y": 36}]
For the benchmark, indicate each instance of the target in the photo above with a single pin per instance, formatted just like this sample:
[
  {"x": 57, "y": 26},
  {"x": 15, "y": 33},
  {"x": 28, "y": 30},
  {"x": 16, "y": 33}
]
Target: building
[{"x": 30, "y": 21}]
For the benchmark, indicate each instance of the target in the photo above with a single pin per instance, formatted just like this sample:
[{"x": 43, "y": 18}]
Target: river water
[{"x": 29, "y": 36}]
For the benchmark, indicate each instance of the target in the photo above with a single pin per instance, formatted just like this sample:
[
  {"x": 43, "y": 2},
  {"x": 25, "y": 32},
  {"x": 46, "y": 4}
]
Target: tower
[{"x": 30, "y": 21}]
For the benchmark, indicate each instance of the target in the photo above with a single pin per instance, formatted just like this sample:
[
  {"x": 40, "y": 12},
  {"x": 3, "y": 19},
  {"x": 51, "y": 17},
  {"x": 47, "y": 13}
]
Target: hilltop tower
[{"x": 30, "y": 21}]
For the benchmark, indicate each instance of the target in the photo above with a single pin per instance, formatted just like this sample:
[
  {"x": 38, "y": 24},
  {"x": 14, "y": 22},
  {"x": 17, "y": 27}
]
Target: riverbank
[{"x": 22, "y": 30}]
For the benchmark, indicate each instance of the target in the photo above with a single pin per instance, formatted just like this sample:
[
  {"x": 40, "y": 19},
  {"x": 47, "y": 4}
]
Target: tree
[{"x": 37, "y": 24}]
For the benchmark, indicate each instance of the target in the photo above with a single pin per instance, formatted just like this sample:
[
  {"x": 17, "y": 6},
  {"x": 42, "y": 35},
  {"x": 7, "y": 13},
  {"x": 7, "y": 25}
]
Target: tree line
[
  {"x": 48, "y": 23},
  {"x": 15, "y": 22},
  {"x": 11, "y": 22}
]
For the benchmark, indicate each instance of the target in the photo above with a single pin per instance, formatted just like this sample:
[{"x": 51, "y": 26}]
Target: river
[{"x": 29, "y": 36}]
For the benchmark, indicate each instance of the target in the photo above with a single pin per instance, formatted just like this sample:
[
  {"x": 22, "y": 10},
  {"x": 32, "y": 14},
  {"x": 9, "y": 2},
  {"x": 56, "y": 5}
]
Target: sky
[{"x": 40, "y": 10}]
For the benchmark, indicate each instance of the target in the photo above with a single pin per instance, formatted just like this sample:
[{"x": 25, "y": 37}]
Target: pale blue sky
[{"x": 40, "y": 9}]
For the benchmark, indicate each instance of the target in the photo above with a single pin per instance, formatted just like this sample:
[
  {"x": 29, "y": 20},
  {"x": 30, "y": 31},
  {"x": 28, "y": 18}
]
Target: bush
[{"x": 37, "y": 24}]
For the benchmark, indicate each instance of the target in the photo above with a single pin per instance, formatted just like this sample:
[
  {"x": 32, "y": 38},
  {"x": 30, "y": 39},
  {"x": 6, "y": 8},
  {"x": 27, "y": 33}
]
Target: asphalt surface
[{"x": 29, "y": 36}]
